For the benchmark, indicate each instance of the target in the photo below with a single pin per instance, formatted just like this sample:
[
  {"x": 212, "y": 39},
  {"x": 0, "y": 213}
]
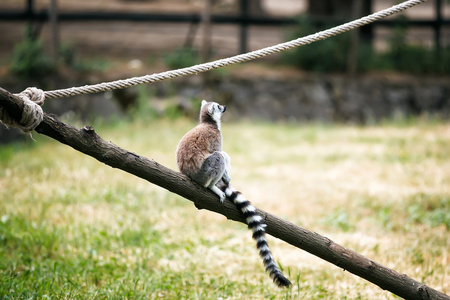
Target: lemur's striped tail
[{"x": 256, "y": 225}]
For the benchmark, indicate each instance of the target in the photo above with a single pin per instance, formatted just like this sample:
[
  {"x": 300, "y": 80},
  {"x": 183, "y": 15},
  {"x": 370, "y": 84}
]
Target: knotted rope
[{"x": 32, "y": 115}]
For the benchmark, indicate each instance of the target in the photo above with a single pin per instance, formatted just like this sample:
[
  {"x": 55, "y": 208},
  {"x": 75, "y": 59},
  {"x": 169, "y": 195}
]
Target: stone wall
[
  {"x": 273, "y": 96},
  {"x": 365, "y": 99}
]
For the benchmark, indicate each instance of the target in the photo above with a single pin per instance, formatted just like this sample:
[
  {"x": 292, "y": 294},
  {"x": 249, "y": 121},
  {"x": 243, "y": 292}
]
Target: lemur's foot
[
  {"x": 219, "y": 193},
  {"x": 222, "y": 198}
]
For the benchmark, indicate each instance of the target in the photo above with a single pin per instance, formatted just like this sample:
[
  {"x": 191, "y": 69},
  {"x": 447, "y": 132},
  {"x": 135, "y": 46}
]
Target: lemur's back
[{"x": 196, "y": 145}]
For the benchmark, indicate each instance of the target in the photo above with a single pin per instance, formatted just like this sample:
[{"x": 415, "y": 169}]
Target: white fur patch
[
  {"x": 228, "y": 192},
  {"x": 211, "y": 109},
  {"x": 216, "y": 115},
  {"x": 239, "y": 198},
  {"x": 260, "y": 227},
  {"x": 248, "y": 208},
  {"x": 254, "y": 219}
]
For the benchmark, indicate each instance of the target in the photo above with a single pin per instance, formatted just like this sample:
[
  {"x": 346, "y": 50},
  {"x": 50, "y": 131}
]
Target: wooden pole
[
  {"x": 243, "y": 32},
  {"x": 206, "y": 38},
  {"x": 55, "y": 29},
  {"x": 437, "y": 30},
  {"x": 88, "y": 142},
  {"x": 30, "y": 34},
  {"x": 30, "y": 8},
  {"x": 352, "y": 56}
]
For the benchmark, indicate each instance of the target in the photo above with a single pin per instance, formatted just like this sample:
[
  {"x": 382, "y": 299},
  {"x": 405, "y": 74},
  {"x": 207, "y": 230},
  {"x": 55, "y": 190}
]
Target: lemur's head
[{"x": 211, "y": 112}]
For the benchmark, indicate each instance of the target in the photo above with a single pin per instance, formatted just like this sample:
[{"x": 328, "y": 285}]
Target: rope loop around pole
[{"x": 32, "y": 115}]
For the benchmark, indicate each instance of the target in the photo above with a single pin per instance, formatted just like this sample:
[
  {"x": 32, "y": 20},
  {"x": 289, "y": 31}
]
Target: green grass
[{"x": 73, "y": 228}]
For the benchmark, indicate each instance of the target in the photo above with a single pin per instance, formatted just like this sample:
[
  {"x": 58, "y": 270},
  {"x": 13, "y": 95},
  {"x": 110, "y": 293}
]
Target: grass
[{"x": 73, "y": 228}]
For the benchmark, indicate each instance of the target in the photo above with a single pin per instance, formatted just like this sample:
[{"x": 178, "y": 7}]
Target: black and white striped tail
[{"x": 257, "y": 226}]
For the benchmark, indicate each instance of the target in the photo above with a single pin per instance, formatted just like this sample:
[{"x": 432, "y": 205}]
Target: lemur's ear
[{"x": 204, "y": 103}]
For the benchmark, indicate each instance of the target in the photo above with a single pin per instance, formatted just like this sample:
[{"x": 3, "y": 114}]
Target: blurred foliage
[
  {"x": 181, "y": 58},
  {"x": 419, "y": 209},
  {"x": 144, "y": 110},
  {"x": 433, "y": 210},
  {"x": 339, "y": 219},
  {"x": 29, "y": 59},
  {"x": 330, "y": 55},
  {"x": 149, "y": 107},
  {"x": 69, "y": 58},
  {"x": 416, "y": 59}
]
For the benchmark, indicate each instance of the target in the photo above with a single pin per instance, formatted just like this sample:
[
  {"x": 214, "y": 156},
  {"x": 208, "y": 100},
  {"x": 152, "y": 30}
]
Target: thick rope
[
  {"x": 120, "y": 84},
  {"x": 32, "y": 114}
]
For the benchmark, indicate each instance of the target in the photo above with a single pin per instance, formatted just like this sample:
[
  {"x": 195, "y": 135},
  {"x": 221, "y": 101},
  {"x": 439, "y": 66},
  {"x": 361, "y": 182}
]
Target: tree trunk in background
[
  {"x": 340, "y": 9},
  {"x": 329, "y": 8},
  {"x": 53, "y": 11},
  {"x": 206, "y": 37},
  {"x": 352, "y": 56}
]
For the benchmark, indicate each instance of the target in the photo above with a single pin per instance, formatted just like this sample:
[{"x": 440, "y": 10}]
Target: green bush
[
  {"x": 69, "y": 58},
  {"x": 181, "y": 58},
  {"x": 29, "y": 59},
  {"x": 416, "y": 59},
  {"x": 329, "y": 55}
]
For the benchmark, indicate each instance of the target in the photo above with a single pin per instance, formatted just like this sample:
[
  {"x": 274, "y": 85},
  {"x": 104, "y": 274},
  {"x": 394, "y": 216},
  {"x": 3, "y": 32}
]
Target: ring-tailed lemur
[{"x": 200, "y": 157}]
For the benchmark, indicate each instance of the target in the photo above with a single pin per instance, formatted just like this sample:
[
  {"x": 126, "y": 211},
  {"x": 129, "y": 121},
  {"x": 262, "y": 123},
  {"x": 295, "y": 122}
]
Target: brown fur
[{"x": 196, "y": 145}]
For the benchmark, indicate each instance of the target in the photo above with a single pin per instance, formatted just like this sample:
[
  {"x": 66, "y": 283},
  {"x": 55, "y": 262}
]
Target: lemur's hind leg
[{"x": 213, "y": 169}]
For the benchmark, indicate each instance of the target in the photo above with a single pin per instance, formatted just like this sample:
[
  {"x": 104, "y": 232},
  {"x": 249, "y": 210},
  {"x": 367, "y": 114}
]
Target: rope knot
[
  {"x": 32, "y": 115},
  {"x": 34, "y": 94}
]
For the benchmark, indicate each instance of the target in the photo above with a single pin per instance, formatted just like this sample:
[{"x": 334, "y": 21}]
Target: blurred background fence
[{"x": 245, "y": 13}]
